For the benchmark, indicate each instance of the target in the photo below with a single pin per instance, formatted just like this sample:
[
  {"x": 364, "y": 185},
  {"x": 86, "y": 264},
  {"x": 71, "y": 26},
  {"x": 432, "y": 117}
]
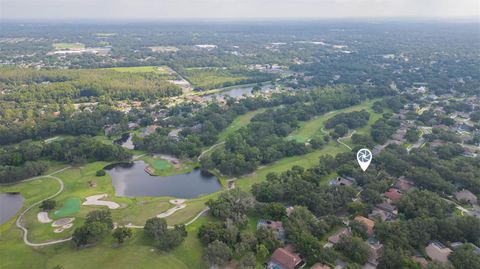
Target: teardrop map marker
[{"x": 364, "y": 158}]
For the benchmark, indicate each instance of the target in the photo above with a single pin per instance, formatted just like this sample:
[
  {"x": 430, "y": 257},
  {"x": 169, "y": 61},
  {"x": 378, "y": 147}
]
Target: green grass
[
  {"x": 312, "y": 128},
  {"x": 161, "y": 164},
  {"x": 239, "y": 122},
  {"x": 65, "y": 46},
  {"x": 140, "y": 69},
  {"x": 211, "y": 78},
  {"x": 69, "y": 208}
]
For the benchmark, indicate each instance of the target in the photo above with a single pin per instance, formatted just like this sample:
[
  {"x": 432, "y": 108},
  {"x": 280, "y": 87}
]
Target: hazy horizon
[{"x": 175, "y": 10}]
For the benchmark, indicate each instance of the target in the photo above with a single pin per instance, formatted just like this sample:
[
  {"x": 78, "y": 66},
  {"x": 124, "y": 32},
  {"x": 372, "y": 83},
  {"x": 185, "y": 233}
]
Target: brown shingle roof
[{"x": 286, "y": 258}]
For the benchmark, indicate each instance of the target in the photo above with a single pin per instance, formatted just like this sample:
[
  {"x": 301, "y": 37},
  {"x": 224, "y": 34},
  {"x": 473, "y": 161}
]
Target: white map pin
[{"x": 364, "y": 158}]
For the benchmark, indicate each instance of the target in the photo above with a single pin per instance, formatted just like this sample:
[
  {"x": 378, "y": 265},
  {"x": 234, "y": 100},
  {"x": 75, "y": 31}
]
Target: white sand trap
[
  {"x": 95, "y": 200},
  {"x": 43, "y": 217},
  {"x": 62, "y": 222},
  {"x": 67, "y": 226},
  {"x": 179, "y": 204},
  {"x": 57, "y": 230}
]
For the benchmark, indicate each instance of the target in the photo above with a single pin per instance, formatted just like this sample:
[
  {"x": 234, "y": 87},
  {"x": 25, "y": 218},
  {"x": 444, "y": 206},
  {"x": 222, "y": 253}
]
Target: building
[
  {"x": 438, "y": 252},
  {"x": 320, "y": 266},
  {"x": 393, "y": 194},
  {"x": 403, "y": 184},
  {"x": 285, "y": 258},
  {"x": 380, "y": 214},
  {"x": 375, "y": 252},
  {"x": 335, "y": 238},
  {"x": 275, "y": 226},
  {"x": 466, "y": 196},
  {"x": 370, "y": 224},
  {"x": 342, "y": 181}
]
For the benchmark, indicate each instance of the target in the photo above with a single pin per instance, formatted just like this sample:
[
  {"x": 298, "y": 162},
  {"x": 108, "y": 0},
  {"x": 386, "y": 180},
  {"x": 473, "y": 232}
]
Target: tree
[
  {"x": 465, "y": 257},
  {"x": 210, "y": 232},
  {"x": 248, "y": 261},
  {"x": 157, "y": 230},
  {"x": 262, "y": 252},
  {"x": 396, "y": 258},
  {"x": 97, "y": 224},
  {"x": 217, "y": 253},
  {"x": 121, "y": 233},
  {"x": 48, "y": 205},
  {"x": 233, "y": 205},
  {"x": 100, "y": 173},
  {"x": 310, "y": 248},
  {"x": 267, "y": 238},
  {"x": 354, "y": 248}
]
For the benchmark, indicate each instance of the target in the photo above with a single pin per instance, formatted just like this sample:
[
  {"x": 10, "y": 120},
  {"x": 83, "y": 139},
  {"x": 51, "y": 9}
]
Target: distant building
[
  {"x": 438, "y": 252},
  {"x": 466, "y": 196},
  {"x": 370, "y": 224},
  {"x": 375, "y": 252},
  {"x": 275, "y": 226},
  {"x": 285, "y": 258},
  {"x": 380, "y": 214}
]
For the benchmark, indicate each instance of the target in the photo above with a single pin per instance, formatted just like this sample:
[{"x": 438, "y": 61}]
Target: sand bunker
[
  {"x": 43, "y": 217},
  {"x": 179, "y": 204},
  {"x": 95, "y": 200},
  {"x": 62, "y": 222}
]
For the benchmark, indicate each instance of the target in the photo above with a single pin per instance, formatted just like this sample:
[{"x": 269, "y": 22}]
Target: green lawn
[
  {"x": 66, "y": 46},
  {"x": 211, "y": 78},
  {"x": 239, "y": 122},
  {"x": 140, "y": 69},
  {"x": 70, "y": 207}
]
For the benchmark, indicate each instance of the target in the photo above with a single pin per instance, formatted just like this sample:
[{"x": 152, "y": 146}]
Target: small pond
[
  {"x": 125, "y": 142},
  {"x": 235, "y": 92},
  {"x": 9, "y": 206},
  {"x": 130, "y": 179}
]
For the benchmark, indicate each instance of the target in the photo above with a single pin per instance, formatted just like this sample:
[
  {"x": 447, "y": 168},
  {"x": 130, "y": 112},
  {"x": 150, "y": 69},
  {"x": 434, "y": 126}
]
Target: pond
[
  {"x": 9, "y": 206},
  {"x": 236, "y": 92},
  {"x": 125, "y": 142},
  {"x": 131, "y": 180}
]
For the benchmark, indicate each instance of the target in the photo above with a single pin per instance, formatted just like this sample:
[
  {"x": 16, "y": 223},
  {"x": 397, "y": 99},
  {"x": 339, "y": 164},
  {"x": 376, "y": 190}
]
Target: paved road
[
  {"x": 20, "y": 217},
  {"x": 339, "y": 140},
  {"x": 210, "y": 149}
]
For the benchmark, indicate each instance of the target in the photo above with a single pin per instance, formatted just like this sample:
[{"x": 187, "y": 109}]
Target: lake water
[
  {"x": 131, "y": 180},
  {"x": 235, "y": 92},
  {"x": 9, "y": 206}
]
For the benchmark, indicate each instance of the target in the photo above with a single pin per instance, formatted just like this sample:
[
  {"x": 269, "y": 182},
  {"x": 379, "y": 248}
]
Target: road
[
  {"x": 20, "y": 217},
  {"x": 210, "y": 149}
]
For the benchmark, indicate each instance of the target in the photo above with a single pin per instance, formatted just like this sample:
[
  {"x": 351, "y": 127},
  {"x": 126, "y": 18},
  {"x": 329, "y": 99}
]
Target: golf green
[
  {"x": 161, "y": 164},
  {"x": 70, "y": 207}
]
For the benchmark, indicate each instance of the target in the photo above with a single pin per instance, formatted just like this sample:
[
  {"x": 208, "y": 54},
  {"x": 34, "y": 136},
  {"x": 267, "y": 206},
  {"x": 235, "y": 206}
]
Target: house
[
  {"x": 403, "y": 184},
  {"x": 375, "y": 252},
  {"x": 335, "y": 238},
  {"x": 438, "y": 252},
  {"x": 275, "y": 226},
  {"x": 466, "y": 196},
  {"x": 387, "y": 206},
  {"x": 285, "y": 258},
  {"x": 320, "y": 266},
  {"x": 393, "y": 194},
  {"x": 370, "y": 224},
  {"x": 342, "y": 181},
  {"x": 380, "y": 214}
]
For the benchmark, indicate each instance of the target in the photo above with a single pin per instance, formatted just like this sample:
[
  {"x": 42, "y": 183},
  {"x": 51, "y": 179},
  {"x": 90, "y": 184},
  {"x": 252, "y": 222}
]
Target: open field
[
  {"x": 66, "y": 46},
  {"x": 212, "y": 77},
  {"x": 140, "y": 69}
]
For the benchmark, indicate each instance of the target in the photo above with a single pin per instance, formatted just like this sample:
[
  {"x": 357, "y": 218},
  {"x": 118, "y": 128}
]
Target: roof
[
  {"x": 367, "y": 222},
  {"x": 335, "y": 238},
  {"x": 466, "y": 195},
  {"x": 286, "y": 257},
  {"x": 403, "y": 184},
  {"x": 320, "y": 266},
  {"x": 438, "y": 252},
  {"x": 393, "y": 194}
]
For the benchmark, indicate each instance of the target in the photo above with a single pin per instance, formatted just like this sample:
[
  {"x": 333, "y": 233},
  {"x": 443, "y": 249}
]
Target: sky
[{"x": 233, "y": 9}]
